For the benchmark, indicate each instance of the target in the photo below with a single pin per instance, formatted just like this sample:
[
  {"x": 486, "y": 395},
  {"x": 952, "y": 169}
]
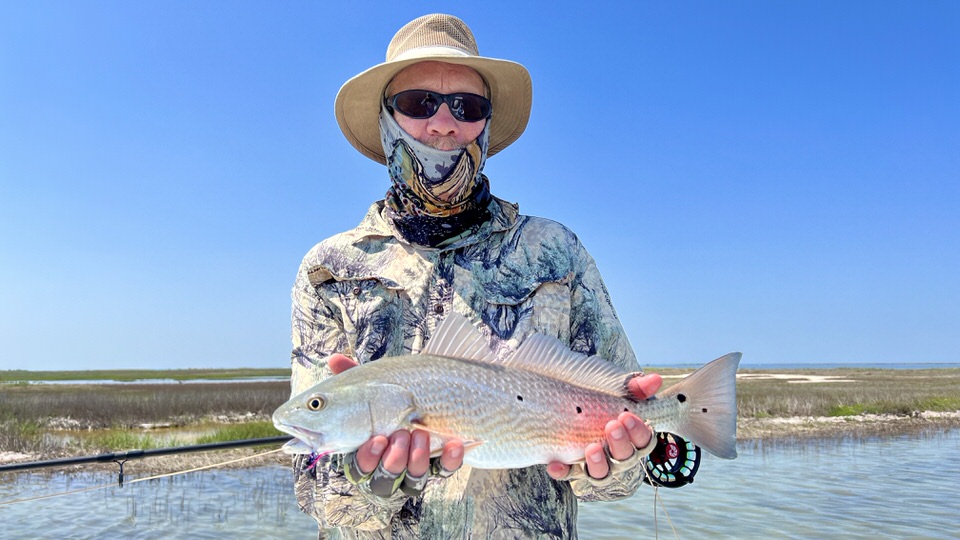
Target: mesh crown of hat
[{"x": 433, "y": 31}]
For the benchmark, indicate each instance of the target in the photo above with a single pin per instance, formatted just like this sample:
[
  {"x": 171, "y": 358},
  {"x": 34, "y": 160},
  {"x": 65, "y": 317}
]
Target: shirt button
[{"x": 438, "y": 308}]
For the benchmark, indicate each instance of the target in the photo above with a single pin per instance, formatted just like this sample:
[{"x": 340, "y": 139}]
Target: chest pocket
[
  {"x": 369, "y": 313},
  {"x": 514, "y": 306}
]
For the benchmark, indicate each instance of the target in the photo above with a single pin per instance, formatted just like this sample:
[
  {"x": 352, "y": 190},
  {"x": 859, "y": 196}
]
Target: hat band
[{"x": 434, "y": 50}]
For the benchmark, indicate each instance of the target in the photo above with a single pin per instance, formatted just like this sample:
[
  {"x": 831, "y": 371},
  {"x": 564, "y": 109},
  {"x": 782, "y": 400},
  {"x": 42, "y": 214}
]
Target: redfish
[{"x": 544, "y": 403}]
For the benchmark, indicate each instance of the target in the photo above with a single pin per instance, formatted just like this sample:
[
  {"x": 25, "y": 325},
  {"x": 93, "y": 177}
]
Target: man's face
[{"x": 441, "y": 131}]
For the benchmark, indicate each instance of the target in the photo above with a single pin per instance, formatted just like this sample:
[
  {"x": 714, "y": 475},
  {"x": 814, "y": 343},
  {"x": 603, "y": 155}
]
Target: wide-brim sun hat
[{"x": 442, "y": 38}]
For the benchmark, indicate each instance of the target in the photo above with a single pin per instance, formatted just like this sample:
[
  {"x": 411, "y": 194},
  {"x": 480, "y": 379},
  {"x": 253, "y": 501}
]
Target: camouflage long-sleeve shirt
[{"x": 368, "y": 294}]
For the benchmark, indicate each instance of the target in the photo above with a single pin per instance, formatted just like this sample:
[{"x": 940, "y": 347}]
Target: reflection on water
[
  {"x": 237, "y": 503},
  {"x": 889, "y": 488}
]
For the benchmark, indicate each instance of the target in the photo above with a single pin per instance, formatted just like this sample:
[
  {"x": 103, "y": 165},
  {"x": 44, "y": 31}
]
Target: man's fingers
[
  {"x": 596, "y": 459},
  {"x": 397, "y": 453},
  {"x": 623, "y": 436},
  {"x": 406, "y": 451},
  {"x": 419, "y": 459},
  {"x": 452, "y": 457},
  {"x": 645, "y": 386},
  {"x": 557, "y": 470},
  {"x": 339, "y": 363},
  {"x": 370, "y": 452},
  {"x": 638, "y": 431},
  {"x": 618, "y": 440}
]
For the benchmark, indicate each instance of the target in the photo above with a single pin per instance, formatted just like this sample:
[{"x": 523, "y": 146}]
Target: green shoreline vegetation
[{"x": 47, "y": 421}]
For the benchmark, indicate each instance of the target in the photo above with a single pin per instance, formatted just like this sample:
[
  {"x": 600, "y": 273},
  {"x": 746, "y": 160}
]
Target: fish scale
[{"x": 544, "y": 403}]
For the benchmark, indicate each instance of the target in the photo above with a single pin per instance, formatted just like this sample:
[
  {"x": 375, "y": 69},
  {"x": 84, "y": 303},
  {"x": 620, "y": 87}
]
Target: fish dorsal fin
[
  {"x": 455, "y": 337},
  {"x": 548, "y": 356}
]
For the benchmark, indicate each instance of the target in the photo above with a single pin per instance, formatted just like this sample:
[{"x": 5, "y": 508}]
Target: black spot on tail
[
  {"x": 681, "y": 398},
  {"x": 519, "y": 398},
  {"x": 579, "y": 410}
]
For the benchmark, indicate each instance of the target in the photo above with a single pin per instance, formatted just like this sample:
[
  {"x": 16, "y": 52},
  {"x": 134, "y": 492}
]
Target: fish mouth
[{"x": 312, "y": 439}]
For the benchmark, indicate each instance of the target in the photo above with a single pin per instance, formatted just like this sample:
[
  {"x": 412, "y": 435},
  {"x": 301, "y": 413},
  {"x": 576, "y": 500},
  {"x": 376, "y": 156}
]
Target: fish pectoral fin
[
  {"x": 467, "y": 446},
  {"x": 470, "y": 445},
  {"x": 439, "y": 437},
  {"x": 418, "y": 423}
]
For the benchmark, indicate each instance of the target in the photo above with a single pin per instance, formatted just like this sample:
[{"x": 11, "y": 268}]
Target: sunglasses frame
[{"x": 391, "y": 104}]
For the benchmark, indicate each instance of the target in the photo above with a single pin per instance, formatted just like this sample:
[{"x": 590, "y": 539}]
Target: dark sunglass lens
[
  {"x": 415, "y": 104},
  {"x": 430, "y": 103},
  {"x": 456, "y": 106},
  {"x": 472, "y": 108}
]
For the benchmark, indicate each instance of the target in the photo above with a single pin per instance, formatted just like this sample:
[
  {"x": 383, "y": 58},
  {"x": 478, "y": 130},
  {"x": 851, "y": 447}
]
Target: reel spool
[{"x": 673, "y": 462}]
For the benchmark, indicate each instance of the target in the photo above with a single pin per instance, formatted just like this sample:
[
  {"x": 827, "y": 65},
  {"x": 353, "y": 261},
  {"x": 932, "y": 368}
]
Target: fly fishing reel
[{"x": 673, "y": 462}]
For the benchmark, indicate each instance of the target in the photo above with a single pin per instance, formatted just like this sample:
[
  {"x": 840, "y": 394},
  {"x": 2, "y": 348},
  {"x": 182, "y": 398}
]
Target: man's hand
[
  {"x": 403, "y": 449},
  {"x": 623, "y": 435}
]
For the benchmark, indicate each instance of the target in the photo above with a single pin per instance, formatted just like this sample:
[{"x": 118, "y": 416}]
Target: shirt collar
[{"x": 503, "y": 217}]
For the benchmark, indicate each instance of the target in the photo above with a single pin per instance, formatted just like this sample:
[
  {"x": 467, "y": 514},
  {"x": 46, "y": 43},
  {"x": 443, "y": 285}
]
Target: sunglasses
[{"x": 465, "y": 107}]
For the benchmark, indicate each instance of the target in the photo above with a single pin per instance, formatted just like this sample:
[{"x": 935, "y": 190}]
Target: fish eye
[{"x": 315, "y": 403}]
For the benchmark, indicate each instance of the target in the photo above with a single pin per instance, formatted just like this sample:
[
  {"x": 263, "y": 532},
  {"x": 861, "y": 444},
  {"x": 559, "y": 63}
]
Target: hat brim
[{"x": 511, "y": 91}]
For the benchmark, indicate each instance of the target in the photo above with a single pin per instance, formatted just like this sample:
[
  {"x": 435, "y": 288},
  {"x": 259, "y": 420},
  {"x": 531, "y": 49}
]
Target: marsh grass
[
  {"x": 896, "y": 392},
  {"x": 128, "y": 440},
  {"x": 247, "y": 430},
  {"x": 130, "y": 405},
  {"x": 57, "y": 419},
  {"x": 114, "y": 439}
]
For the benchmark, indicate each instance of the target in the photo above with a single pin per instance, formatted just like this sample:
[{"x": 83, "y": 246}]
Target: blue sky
[{"x": 777, "y": 178}]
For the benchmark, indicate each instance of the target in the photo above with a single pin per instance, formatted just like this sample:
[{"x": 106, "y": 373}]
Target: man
[{"x": 440, "y": 242}]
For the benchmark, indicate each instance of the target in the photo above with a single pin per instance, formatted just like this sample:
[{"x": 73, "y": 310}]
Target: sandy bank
[
  {"x": 839, "y": 426},
  {"x": 788, "y": 377}
]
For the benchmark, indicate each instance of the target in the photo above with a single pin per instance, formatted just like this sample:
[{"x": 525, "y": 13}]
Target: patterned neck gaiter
[{"x": 435, "y": 196}]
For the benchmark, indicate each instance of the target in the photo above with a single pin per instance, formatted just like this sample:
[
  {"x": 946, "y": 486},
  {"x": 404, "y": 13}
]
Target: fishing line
[
  {"x": 154, "y": 477},
  {"x": 656, "y": 495},
  {"x": 53, "y": 495},
  {"x": 663, "y": 505},
  {"x": 205, "y": 467},
  {"x": 656, "y": 524}
]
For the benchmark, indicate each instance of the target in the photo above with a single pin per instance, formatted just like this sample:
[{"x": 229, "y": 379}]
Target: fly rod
[{"x": 122, "y": 457}]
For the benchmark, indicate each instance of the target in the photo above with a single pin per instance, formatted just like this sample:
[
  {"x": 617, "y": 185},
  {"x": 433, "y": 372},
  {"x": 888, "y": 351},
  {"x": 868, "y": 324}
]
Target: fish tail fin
[{"x": 710, "y": 397}]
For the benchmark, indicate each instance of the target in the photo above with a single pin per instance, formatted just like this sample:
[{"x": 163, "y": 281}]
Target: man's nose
[{"x": 443, "y": 123}]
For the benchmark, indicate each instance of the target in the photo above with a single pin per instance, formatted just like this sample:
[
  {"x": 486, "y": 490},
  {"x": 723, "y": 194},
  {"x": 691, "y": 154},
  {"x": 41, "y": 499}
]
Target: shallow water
[
  {"x": 883, "y": 488},
  {"x": 237, "y": 503},
  {"x": 887, "y": 488}
]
